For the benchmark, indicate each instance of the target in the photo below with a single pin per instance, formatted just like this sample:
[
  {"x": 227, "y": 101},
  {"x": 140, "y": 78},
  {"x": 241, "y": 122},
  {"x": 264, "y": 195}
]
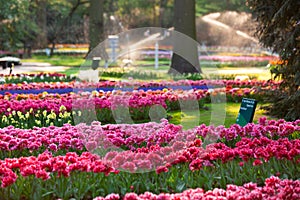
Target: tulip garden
[{"x": 46, "y": 154}]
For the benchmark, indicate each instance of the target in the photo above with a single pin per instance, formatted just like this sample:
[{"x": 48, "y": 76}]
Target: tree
[
  {"x": 17, "y": 30},
  {"x": 279, "y": 29},
  {"x": 41, "y": 15},
  {"x": 35, "y": 23},
  {"x": 165, "y": 13},
  {"x": 204, "y": 7},
  {"x": 134, "y": 14},
  {"x": 96, "y": 30},
  {"x": 185, "y": 57},
  {"x": 59, "y": 20}
]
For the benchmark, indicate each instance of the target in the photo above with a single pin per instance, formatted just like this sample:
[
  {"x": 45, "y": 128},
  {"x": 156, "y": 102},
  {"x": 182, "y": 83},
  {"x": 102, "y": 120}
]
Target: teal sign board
[{"x": 246, "y": 112}]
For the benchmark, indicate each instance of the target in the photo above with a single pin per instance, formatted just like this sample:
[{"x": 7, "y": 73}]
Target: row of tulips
[
  {"x": 37, "y": 77},
  {"x": 138, "y": 84},
  {"x": 226, "y": 58},
  {"x": 171, "y": 95},
  {"x": 220, "y": 58},
  {"x": 86, "y": 185},
  {"x": 191, "y": 167},
  {"x": 16, "y": 142},
  {"x": 191, "y": 152},
  {"x": 161, "y": 159},
  {"x": 187, "y": 149},
  {"x": 33, "y": 75},
  {"x": 274, "y": 188},
  {"x": 46, "y": 109}
]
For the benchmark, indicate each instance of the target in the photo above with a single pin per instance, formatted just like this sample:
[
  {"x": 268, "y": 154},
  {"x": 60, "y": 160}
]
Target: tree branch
[{"x": 69, "y": 16}]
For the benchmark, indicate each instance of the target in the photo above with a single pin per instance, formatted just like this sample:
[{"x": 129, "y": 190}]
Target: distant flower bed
[
  {"x": 37, "y": 77},
  {"x": 277, "y": 62},
  {"x": 224, "y": 58},
  {"x": 190, "y": 84}
]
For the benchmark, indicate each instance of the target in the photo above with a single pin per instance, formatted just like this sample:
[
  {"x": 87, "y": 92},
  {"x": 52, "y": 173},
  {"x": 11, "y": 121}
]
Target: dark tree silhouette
[
  {"x": 185, "y": 57},
  {"x": 279, "y": 29},
  {"x": 96, "y": 24}
]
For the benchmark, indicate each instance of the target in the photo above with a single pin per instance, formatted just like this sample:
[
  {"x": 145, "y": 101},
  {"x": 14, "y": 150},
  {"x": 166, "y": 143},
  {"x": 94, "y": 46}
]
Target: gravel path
[{"x": 34, "y": 67}]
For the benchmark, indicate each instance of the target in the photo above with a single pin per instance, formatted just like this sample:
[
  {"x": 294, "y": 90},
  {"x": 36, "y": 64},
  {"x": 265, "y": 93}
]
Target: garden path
[{"x": 34, "y": 67}]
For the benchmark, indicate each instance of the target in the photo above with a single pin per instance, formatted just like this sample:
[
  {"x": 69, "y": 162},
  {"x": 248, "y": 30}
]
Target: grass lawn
[
  {"x": 57, "y": 60},
  {"x": 71, "y": 71},
  {"x": 226, "y": 114}
]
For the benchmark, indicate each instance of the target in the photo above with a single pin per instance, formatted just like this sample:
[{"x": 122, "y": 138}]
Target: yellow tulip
[
  {"x": 27, "y": 115},
  {"x": 62, "y": 108},
  {"x": 45, "y": 113}
]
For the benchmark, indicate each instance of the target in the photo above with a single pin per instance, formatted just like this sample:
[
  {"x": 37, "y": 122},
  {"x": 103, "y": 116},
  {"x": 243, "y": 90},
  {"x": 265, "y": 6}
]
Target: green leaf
[
  {"x": 48, "y": 193},
  {"x": 180, "y": 186}
]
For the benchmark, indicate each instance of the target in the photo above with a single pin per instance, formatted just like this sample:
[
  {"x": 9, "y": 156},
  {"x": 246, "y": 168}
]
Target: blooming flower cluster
[
  {"x": 135, "y": 99},
  {"x": 35, "y": 86},
  {"x": 246, "y": 149},
  {"x": 25, "y": 78},
  {"x": 110, "y": 100},
  {"x": 274, "y": 188},
  {"x": 33, "y": 75},
  {"x": 191, "y": 151},
  {"x": 46, "y": 109},
  {"x": 163, "y": 148},
  {"x": 133, "y": 136},
  {"x": 159, "y": 158},
  {"x": 226, "y": 58},
  {"x": 44, "y": 164},
  {"x": 53, "y": 138},
  {"x": 174, "y": 159},
  {"x": 265, "y": 128},
  {"x": 278, "y": 62}
]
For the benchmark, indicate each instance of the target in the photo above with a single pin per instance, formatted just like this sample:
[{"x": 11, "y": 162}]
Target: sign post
[
  {"x": 95, "y": 62},
  {"x": 113, "y": 44},
  {"x": 246, "y": 112}
]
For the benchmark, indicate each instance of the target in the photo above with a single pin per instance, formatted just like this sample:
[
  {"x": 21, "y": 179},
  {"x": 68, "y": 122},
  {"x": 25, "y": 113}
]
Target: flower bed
[
  {"x": 137, "y": 84},
  {"x": 176, "y": 168},
  {"x": 20, "y": 142},
  {"x": 38, "y": 77},
  {"x": 141, "y": 161},
  {"x": 53, "y": 109},
  {"x": 274, "y": 188}
]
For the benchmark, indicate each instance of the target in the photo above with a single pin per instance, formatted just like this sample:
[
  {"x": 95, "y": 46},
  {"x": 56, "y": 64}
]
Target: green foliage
[
  {"x": 57, "y": 60},
  {"x": 279, "y": 29},
  {"x": 20, "y": 22},
  {"x": 204, "y": 7},
  {"x": 194, "y": 77},
  {"x": 138, "y": 13},
  {"x": 127, "y": 74},
  {"x": 16, "y": 25}
]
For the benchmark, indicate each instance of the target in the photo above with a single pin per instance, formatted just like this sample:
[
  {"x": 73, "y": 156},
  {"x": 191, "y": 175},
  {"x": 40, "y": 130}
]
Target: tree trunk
[
  {"x": 52, "y": 48},
  {"x": 162, "y": 6},
  {"x": 41, "y": 39},
  {"x": 185, "y": 58},
  {"x": 96, "y": 32}
]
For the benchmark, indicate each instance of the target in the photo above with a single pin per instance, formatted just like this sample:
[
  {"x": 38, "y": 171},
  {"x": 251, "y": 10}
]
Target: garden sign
[{"x": 246, "y": 112}]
